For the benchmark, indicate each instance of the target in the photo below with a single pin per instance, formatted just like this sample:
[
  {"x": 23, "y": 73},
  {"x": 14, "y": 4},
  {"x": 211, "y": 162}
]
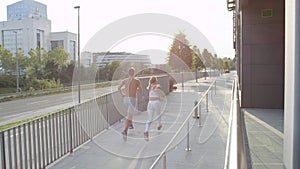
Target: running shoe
[
  {"x": 146, "y": 136},
  {"x": 159, "y": 127},
  {"x": 124, "y": 133}
]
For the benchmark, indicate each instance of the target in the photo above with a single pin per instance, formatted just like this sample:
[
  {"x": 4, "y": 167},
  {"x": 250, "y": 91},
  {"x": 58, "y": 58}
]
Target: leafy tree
[
  {"x": 180, "y": 50},
  {"x": 59, "y": 57},
  {"x": 111, "y": 68},
  {"x": 6, "y": 59},
  {"x": 66, "y": 74},
  {"x": 37, "y": 62},
  {"x": 197, "y": 62},
  {"x": 56, "y": 61}
]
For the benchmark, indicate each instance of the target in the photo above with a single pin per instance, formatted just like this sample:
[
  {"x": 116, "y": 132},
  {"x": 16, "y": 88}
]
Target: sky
[{"x": 210, "y": 17}]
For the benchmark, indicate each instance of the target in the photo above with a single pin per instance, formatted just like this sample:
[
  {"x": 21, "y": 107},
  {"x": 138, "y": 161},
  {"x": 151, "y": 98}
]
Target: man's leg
[{"x": 128, "y": 121}]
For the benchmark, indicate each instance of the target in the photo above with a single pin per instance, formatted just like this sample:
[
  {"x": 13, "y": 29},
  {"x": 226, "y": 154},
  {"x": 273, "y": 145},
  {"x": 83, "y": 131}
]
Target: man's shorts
[{"x": 130, "y": 103}]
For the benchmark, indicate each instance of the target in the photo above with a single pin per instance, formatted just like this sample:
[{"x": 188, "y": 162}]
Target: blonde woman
[{"x": 154, "y": 105}]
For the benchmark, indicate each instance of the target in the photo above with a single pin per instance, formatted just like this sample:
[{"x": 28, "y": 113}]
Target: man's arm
[{"x": 120, "y": 88}]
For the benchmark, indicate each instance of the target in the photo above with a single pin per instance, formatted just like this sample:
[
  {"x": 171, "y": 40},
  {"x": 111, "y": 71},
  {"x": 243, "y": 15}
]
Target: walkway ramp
[{"x": 207, "y": 135}]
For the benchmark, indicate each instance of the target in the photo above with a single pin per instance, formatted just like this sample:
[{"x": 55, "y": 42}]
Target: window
[{"x": 56, "y": 43}]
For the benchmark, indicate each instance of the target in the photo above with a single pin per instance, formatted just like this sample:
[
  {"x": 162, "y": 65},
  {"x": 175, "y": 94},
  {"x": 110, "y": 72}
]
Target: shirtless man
[{"x": 132, "y": 86}]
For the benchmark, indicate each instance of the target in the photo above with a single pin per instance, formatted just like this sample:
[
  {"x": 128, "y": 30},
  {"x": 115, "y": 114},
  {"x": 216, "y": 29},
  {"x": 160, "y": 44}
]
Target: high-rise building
[
  {"x": 26, "y": 9},
  {"x": 28, "y": 27}
]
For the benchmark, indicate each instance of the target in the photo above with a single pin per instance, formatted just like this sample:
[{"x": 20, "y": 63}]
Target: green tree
[
  {"x": 66, "y": 74},
  {"x": 59, "y": 57},
  {"x": 22, "y": 60},
  {"x": 111, "y": 68},
  {"x": 206, "y": 58},
  {"x": 6, "y": 59},
  {"x": 36, "y": 63},
  {"x": 180, "y": 50},
  {"x": 57, "y": 60},
  {"x": 197, "y": 62}
]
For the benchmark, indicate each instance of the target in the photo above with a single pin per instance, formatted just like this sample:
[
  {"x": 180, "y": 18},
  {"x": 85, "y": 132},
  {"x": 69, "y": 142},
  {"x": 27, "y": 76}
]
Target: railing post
[
  {"x": 20, "y": 148},
  {"x": 2, "y": 144},
  {"x": 196, "y": 116},
  {"x": 215, "y": 87},
  {"x": 200, "y": 115},
  {"x": 107, "y": 114},
  {"x": 196, "y": 75},
  {"x": 164, "y": 161},
  {"x": 188, "y": 137},
  {"x": 206, "y": 102},
  {"x": 70, "y": 130},
  {"x": 182, "y": 81}
]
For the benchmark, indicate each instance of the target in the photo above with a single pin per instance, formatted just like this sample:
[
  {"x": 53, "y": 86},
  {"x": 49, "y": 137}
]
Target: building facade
[
  {"x": 104, "y": 58},
  {"x": 267, "y": 42},
  {"x": 67, "y": 40},
  {"x": 26, "y": 9},
  {"x": 30, "y": 34},
  {"x": 27, "y": 27}
]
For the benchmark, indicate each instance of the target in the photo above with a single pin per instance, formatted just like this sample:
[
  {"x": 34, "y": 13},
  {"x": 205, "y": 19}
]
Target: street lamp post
[
  {"x": 78, "y": 41},
  {"x": 17, "y": 60}
]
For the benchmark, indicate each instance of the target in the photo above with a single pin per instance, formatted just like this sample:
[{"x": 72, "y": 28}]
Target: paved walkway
[
  {"x": 264, "y": 129},
  {"x": 207, "y": 142}
]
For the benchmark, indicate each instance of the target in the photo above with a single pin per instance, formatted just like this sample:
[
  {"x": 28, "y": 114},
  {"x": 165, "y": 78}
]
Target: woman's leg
[
  {"x": 150, "y": 117},
  {"x": 159, "y": 114}
]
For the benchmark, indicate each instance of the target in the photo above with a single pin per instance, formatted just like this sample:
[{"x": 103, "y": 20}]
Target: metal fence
[{"x": 40, "y": 142}]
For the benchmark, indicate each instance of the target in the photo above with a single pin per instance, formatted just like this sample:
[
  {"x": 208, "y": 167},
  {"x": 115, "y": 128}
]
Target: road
[{"x": 20, "y": 109}]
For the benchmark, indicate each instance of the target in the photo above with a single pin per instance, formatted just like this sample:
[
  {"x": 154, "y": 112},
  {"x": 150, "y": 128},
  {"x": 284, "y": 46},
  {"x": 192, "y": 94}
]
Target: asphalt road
[{"x": 20, "y": 109}]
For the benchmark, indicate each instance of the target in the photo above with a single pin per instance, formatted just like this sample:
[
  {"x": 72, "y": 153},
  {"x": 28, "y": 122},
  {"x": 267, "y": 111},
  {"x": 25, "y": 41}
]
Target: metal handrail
[
  {"x": 186, "y": 121},
  {"x": 235, "y": 150}
]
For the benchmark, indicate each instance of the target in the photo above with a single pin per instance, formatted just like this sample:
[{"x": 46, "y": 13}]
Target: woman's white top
[{"x": 152, "y": 93}]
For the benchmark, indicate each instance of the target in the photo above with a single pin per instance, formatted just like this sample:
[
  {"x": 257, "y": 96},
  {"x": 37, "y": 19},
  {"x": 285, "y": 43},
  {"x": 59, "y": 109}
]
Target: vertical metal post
[
  {"x": 188, "y": 136},
  {"x": 78, "y": 8},
  {"x": 57, "y": 137},
  {"x": 75, "y": 133},
  {"x": 54, "y": 126},
  {"x": 182, "y": 81},
  {"x": 196, "y": 75},
  {"x": 51, "y": 129},
  {"x": 70, "y": 131},
  {"x": 43, "y": 141},
  {"x": 61, "y": 133},
  {"x": 29, "y": 144},
  {"x": 200, "y": 115},
  {"x": 196, "y": 115},
  {"x": 2, "y": 144},
  {"x": 34, "y": 144},
  {"x": 25, "y": 145},
  {"x": 17, "y": 60},
  {"x": 215, "y": 87},
  {"x": 206, "y": 102},
  {"x": 164, "y": 161},
  {"x": 9, "y": 148},
  {"x": 20, "y": 148},
  {"x": 15, "y": 146},
  {"x": 107, "y": 114},
  {"x": 46, "y": 139},
  {"x": 38, "y": 143},
  {"x": 63, "y": 150}
]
